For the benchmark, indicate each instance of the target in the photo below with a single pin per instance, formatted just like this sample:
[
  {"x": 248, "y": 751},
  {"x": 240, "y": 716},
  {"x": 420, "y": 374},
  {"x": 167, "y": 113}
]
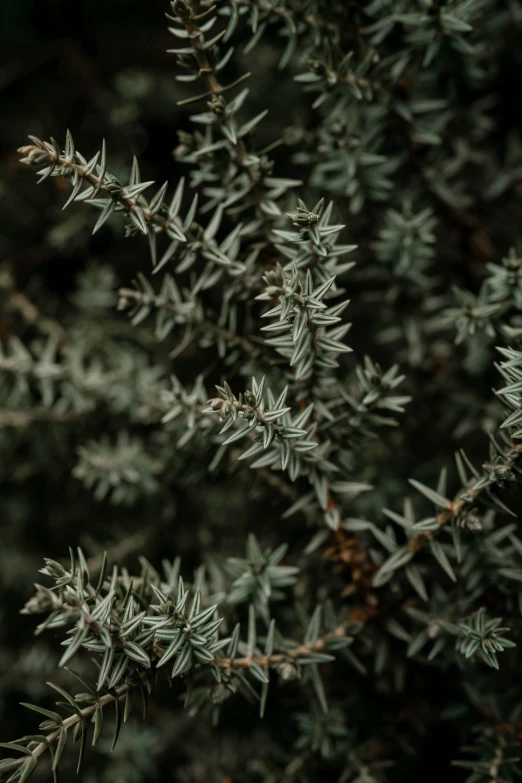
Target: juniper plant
[{"x": 297, "y": 585}]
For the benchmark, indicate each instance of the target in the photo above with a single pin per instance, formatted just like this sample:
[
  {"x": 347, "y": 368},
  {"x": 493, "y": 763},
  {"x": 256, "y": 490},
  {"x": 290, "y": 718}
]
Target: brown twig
[{"x": 457, "y": 506}]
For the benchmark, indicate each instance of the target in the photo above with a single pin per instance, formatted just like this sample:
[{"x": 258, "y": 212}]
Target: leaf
[
  {"x": 457, "y": 25},
  {"x": 415, "y": 579},
  {"x": 136, "y": 216},
  {"x": 74, "y": 645},
  {"x": 203, "y": 617},
  {"x": 69, "y": 145},
  {"x": 264, "y": 695},
  {"x": 323, "y": 289},
  {"x": 397, "y": 560},
  {"x": 249, "y": 126},
  {"x": 237, "y": 435},
  {"x": 83, "y": 740},
  {"x": 319, "y": 688},
  {"x": 118, "y": 671},
  {"x": 435, "y": 497},
  {"x": 8, "y": 765},
  {"x": 77, "y": 185},
  {"x": 136, "y": 653},
  {"x": 417, "y": 643},
  {"x": 117, "y": 725},
  {"x": 105, "y": 666},
  {"x": 258, "y": 672},
  {"x": 135, "y": 190},
  {"x": 48, "y": 713},
  {"x": 386, "y": 540},
  {"x": 314, "y": 627},
  {"x": 441, "y": 558},
  {"x": 269, "y": 644},
  {"x": 62, "y": 741},
  {"x": 251, "y": 643},
  {"x": 128, "y": 705},
  {"x": 15, "y": 746},
  {"x": 103, "y": 572},
  {"x": 305, "y": 658},
  {"x": 183, "y": 662},
  {"x": 98, "y": 724},
  {"x": 106, "y": 212},
  {"x": 158, "y": 199},
  {"x": 171, "y": 650},
  {"x": 300, "y": 323},
  {"x": 67, "y": 697},
  {"x": 27, "y": 768},
  {"x": 234, "y": 642},
  {"x": 131, "y": 625}
]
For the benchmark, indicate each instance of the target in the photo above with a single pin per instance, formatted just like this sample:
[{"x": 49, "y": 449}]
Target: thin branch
[
  {"x": 81, "y": 716},
  {"x": 41, "y": 153},
  {"x": 457, "y": 506},
  {"x": 131, "y": 295},
  {"x": 265, "y": 661}
]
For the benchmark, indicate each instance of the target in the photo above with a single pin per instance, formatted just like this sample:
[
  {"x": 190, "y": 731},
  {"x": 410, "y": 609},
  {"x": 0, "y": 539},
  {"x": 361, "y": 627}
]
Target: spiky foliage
[{"x": 319, "y": 594}]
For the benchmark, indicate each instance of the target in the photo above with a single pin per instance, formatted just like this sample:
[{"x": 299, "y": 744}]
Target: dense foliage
[{"x": 289, "y": 546}]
